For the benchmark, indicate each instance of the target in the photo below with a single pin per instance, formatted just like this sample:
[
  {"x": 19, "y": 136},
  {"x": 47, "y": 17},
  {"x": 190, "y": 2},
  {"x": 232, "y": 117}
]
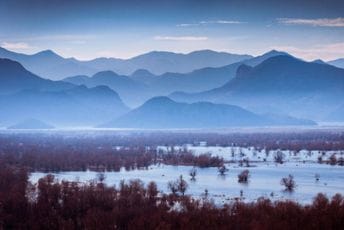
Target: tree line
[{"x": 52, "y": 204}]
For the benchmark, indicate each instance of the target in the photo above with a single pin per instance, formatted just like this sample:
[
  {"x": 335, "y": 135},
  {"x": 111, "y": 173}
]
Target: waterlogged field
[
  {"x": 313, "y": 158},
  {"x": 236, "y": 154},
  {"x": 263, "y": 182}
]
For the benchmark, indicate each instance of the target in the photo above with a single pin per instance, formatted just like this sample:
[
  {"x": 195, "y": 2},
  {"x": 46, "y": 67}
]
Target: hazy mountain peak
[
  {"x": 48, "y": 53},
  {"x": 243, "y": 69},
  {"x": 319, "y": 61},
  {"x": 275, "y": 53},
  {"x": 205, "y": 51},
  {"x": 107, "y": 73},
  {"x": 284, "y": 60},
  {"x": 156, "y": 53},
  {"x": 142, "y": 72}
]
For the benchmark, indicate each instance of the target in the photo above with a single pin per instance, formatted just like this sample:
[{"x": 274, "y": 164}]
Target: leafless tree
[
  {"x": 288, "y": 183},
  {"x": 193, "y": 173},
  {"x": 243, "y": 176},
  {"x": 222, "y": 170}
]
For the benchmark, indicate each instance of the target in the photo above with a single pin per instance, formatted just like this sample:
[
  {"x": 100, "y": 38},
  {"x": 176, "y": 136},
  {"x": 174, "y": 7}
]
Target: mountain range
[
  {"x": 281, "y": 83},
  {"x": 135, "y": 89},
  {"x": 162, "y": 113},
  {"x": 24, "y": 95},
  {"x": 272, "y": 89},
  {"x": 48, "y": 64},
  {"x": 131, "y": 91}
]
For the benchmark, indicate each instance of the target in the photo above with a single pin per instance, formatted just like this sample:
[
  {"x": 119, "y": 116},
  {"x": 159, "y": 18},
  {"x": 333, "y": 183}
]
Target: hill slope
[
  {"x": 283, "y": 83},
  {"x": 131, "y": 91},
  {"x": 162, "y": 113},
  {"x": 205, "y": 78},
  {"x": 24, "y": 95},
  {"x": 338, "y": 63},
  {"x": 14, "y": 78}
]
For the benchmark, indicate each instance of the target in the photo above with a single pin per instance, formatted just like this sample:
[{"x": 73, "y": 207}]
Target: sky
[{"x": 86, "y": 29}]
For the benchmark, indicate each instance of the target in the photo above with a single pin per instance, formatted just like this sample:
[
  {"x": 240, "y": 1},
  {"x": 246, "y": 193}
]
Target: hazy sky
[{"x": 87, "y": 29}]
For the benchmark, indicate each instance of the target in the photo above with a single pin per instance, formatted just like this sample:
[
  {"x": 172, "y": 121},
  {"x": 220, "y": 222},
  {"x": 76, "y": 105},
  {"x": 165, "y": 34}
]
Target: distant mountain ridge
[
  {"x": 129, "y": 89},
  {"x": 142, "y": 84},
  {"x": 24, "y": 95},
  {"x": 162, "y": 113},
  {"x": 14, "y": 77},
  {"x": 205, "y": 78},
  {"x": 48, "y": 64},
  {"x": 290, "y": 85},
  {"x": 51, "y": 65},
  {"x": 275, "y": 86}
]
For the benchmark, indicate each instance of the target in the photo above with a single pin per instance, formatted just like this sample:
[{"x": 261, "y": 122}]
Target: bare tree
[
  {"x": 222, "y": 170},
  {"x": 193, "y": 173},
  {"x": 288, "y": 183},
  {"x": 243, "y": 176},
  {"x": 182, "y": 185},
  {"x": 279, "y": 157},
  {"x": 333, "y": 159},
  {"x": 152, "y": 190},
  {"x": 173, "y": 187}
]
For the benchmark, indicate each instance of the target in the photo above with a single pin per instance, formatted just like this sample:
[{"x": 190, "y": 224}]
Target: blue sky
[{"x": 89, "y": 29}]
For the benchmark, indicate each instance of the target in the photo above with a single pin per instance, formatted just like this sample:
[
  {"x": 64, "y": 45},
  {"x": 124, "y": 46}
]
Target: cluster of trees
[
  {"x": 333, "y": 160},
  {"x": 243, "y": 176},
  {"x": 53, "y": 153},
  {"x": 53, "y": 160},
  {"x": 56, "y": 158},
  {"x": 188, "y": 158},
  {"x": 70, "y": 205},
  {"x": 321, "y": 140},
  {"x": 179, "y": 186},
  {"x": 289, "y": 182}
]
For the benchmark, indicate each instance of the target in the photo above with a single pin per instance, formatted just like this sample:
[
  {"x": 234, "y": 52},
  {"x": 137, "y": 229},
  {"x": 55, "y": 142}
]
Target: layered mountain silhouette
[
  {"x": 143, "y": 76},
  {"x": 130, "y": 90},
  {"x": 281, "y": 83},
  {"x": 159, "y": 62},
  {"x": 270, "y": 84},
  {"x": 205, "y": 78},
  {"x": 24, "y": 95},
  {"x": 162, "y": 112},
  {"x": 50, "y": 65},
  {"x": 14, "y": 78},
  {"x": 142, "y": 84}
]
